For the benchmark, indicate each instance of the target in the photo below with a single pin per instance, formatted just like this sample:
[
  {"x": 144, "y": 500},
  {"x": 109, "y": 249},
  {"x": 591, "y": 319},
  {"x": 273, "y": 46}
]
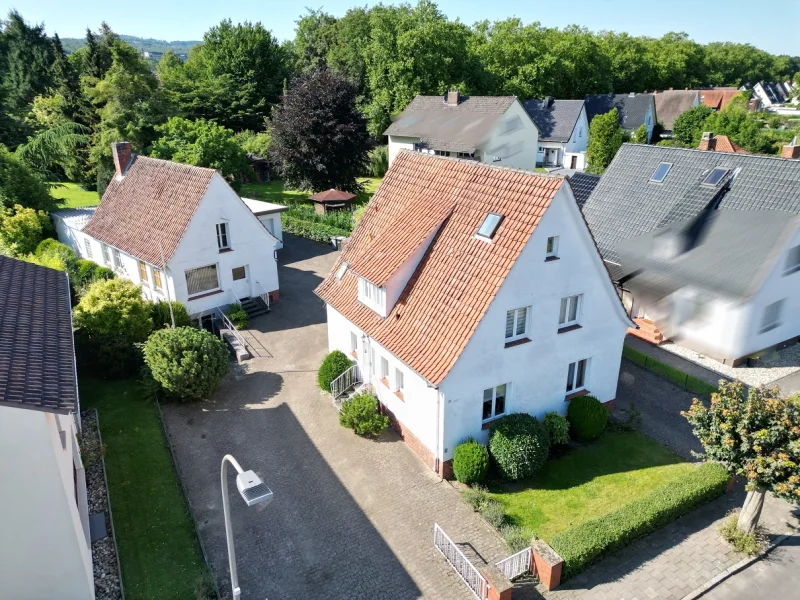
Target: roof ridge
[
  {"x": 469, "y": 161},
  {"x": 174, "y": 162},
  {"x": 752, "y": 154}
]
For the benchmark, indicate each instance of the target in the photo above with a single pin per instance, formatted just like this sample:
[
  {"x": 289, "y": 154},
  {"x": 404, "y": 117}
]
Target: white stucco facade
[
  {"x": 570, "y": 154},
  {"x": 45, "y": 550}
]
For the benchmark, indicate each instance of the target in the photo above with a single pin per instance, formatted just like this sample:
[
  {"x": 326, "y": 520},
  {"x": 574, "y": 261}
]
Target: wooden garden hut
[{"x": 330, "y": 200}]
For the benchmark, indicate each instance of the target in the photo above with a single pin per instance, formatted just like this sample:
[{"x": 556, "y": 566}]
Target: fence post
[
  {"x": 500, "y": 587},
  {"x": 548, "y": 564}
]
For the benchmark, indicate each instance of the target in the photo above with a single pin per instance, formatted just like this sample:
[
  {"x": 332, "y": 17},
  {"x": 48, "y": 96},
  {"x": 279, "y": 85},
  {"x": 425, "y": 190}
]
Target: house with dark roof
[
  {"x": 490, "y": 129},
  {"x": 670, "y": 104},
  {"x": 563, "y": 132},
  {"x": 467, "y": 292},
  {"x": 634, "y": 110},
  {"x": 704, "y": 246},
  {"x": 180, "y": 232},
  {"x": 583, "y": 185},
  {"x": 44, "y": 516}
]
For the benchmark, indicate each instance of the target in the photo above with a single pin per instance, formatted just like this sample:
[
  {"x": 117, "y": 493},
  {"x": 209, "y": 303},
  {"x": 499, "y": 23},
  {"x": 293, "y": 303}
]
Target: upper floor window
[
  {"x": 715, "y": 176},
  {"x": 157, "y": 278},
  {"x": 87, "y": 243},
  {"x": 494, "y": 402},
  {"x": 371, "y": 295},
  {"x": 580, "y": 132},
  {"x": 772, "y": 317},
  {"x": 570, "y": 311},
  {"x": 223, "y": 236},
  {"x": 203, "y": 279},
  {"x": 399, "y": 383},
  {"x": 551, "y": 251},
  {"x": 661, "y": 172},
  {"x": 516, "y": 323},
  {"x": 792, "y": 261},
  {"x": 117, "y": 258},
  {"x": 384, "y": 368},
  {"x": 143, "y": 272},
  {"x": 576, "y": 375}
]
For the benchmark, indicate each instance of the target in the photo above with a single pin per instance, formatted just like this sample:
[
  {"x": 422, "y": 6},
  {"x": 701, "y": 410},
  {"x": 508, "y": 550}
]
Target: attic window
[
  {"x": 716, "y": 175},
  {"x": 341, "y": 271},
  {"x": 661, "y": 172},
  {"x": 489, "y": 225}
]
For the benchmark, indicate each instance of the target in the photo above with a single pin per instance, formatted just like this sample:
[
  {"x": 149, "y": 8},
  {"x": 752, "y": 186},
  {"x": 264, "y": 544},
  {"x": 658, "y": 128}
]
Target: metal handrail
[
  {"x": 264, "y": 295},
  {"x": 345, "y": 381},
  {"x": 476, "y": 582},
  {"x": 516, "y": 564},
  {"x": 229, "y": 324}
]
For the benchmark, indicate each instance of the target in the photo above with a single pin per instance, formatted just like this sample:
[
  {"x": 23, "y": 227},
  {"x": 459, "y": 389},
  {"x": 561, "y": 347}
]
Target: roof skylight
[
  {"x": 490, "y": 225},
  {"x": 661, "y": 172},
  {"x": 341, "y": 271},
  {"x": 715, "y": 176}
]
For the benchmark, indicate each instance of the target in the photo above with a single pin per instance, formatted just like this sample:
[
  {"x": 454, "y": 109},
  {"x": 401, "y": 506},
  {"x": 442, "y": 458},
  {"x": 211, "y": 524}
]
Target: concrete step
[
  {"x": 254, "y": 307},
  {"x": 239, "y": 351}
]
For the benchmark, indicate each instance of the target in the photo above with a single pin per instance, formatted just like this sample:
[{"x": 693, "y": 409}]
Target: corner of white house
[{"x": 400, "y": 142}]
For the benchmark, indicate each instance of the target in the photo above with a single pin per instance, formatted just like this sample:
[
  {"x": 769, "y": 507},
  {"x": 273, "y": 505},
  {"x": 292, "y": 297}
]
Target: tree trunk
[{"x": 751, "y": 511}]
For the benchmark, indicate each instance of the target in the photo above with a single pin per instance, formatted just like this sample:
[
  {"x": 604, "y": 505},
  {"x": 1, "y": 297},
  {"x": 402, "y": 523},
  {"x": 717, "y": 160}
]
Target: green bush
[
  {"x": 302, "y": 220},
  {"x": 494, "y": 512},
  {"x": 587, "y": 417},
  {"x": 107, "y": 356},
  {"x": 360, "y": 413},
  {"x": 557, "y": 428},
  {"x": 159, "y": 312},
  {"x": 188, "y": 363},
  {"x": 476, "y": 497},
  {"x": 53, "y": 252},
  {"x": 114, "y": 307},
  {"x": 518, "y": 445},
  {"x": 470, "y": 462},
  {"x": 378, "y": 161},
  {"x": 86, "y": 273},
  {"x": 334, "y": 365},
  {"x": 516, "y": 537},
  {"x": 237, "y": 315},
  {"x": 586, "y": 543},
  {"x": 744, "y": 543}
]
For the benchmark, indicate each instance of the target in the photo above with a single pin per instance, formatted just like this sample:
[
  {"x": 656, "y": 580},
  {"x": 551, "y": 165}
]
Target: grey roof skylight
[
  {"x": 490, "y": 225},
  {"x": 714, "y": 177},
  {"x": 661, "y": 172}
]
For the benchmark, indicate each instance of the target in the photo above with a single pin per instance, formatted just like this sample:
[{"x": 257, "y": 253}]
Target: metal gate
[
  {"x": 516, "y": 564},
  {"x": 465, "y": 569}
]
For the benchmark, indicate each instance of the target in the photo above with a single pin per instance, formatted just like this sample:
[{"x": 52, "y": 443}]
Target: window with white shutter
[{"x": 203, "y": 279}]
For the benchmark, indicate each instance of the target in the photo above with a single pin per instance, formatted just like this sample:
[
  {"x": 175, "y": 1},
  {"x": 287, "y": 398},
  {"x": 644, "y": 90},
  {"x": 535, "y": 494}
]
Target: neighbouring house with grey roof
[
  {"x": 45, "y": 545},
  {"x": 563, "y": 132},
  {"x": 771, "y": 94},
  {"x": 490, "y": 129},
  {"x": 703, "y": 246},
  {"x": 670, "y": 104},
  {"x": 583, "y": 185},
  {"x": 634, "y": 110}
]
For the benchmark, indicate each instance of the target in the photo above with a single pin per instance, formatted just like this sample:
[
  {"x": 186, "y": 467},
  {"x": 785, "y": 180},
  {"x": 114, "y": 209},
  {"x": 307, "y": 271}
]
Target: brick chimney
[
  {"x": 791, "y": 150},
  {"x": 122, "y": 156},
  {"x": 453, "y": 96},
  {"x": 705, "y": 141}
]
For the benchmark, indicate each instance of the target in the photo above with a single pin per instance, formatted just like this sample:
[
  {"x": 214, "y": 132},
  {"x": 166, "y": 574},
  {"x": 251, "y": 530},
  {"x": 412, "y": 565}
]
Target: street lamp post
[{"x": 253, "y": 491}]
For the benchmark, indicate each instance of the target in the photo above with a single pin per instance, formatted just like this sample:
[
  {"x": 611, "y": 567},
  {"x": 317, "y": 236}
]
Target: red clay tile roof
[
  {"x": 332, "y": 196},
  {"x": 459, "y": 275},
  {"x": 718, "y": 98},
  {"x": 721, "y": 143},
  {"x": 152, "y": 204}
]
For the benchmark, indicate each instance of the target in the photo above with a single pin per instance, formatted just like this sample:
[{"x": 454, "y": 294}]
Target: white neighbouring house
[
  {"x": 468, "y": 292},
  {"x": 179, "y": 231},
  {"x": 489, "y": 129},
  {"x": 45, "y": 549},
  {"x": 563, "y": 132}
]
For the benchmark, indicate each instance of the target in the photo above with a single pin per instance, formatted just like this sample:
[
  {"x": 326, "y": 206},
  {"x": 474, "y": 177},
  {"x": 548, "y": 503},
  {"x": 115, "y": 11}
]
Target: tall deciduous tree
[
  {"x": 605, "y": 138},
  {"x": 319, "y": 137},
  {"x": 688, "y": 127},
  {"x": 757, "y": 437},
  {"x": 19, "y": 184}
]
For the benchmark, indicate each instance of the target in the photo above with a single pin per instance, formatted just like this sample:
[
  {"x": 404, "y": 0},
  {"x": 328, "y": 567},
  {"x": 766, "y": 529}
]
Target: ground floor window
[
  {"x": 772, "y": 317},
  {"x": 88, "y": 245},
  {"x": 202, "y": 280},
  {"x": 494, "y": 402},
  {"x": 576, "y": 375},
  {"x": 398, "y": 380},
  {"x": 157, "y": 278},
  {"x": 353, "y": 342}
]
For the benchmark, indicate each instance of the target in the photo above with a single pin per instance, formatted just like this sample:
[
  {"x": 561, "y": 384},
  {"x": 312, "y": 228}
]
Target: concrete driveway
[{"x": 352, "y": 518}]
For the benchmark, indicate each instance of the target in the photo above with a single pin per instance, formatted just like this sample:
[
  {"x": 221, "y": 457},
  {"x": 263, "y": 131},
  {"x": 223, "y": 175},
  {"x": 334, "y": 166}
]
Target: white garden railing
[
  {"x": 516, "y": 564},
  {"x": 465, "y": 569},
  {"x": 345, "y": 381}
]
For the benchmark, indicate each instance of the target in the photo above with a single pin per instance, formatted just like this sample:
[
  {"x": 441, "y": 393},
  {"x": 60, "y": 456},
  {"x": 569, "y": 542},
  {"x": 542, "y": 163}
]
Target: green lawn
[
  {"x": 273, "y": 191},
  {"x": 159, "y": 552},
  {"x": 686, "y": 381},
  {"x": 75, "y": 195},
  {"x": 589, "y": 482}
]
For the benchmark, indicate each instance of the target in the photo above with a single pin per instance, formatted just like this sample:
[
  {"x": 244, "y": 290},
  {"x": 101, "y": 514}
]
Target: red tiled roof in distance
[
  {"x": 459, "y": 275},
  {"x": 332, "y": 196},
  {"x": 718, "y": 98},
  {"x": 721, "y": 143},
  {"x": 151, "y": 205}
]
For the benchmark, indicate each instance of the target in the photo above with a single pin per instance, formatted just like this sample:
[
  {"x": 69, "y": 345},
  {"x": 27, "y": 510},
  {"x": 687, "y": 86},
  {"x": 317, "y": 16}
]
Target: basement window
[
  {"x": 661, "y": 172},
  {"x": 715, "y": 176},
  {"x": 489, "y": 226}
]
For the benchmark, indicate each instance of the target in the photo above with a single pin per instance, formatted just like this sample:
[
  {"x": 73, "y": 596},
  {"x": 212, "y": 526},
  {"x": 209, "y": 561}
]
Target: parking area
[{"x": 351, "y": 518}]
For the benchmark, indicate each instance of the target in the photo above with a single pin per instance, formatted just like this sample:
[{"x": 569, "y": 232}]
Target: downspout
[{"x": 436, "y": 459}]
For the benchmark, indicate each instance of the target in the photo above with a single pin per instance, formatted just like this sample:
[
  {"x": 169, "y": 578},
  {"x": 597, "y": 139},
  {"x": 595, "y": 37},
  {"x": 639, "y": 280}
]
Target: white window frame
[
  {"x": 223, "y": 236},
  {"x": 551, "y": 249},
  {"x": 769, "y": 321},
  {"x": 565, "y": 310},
  {"x": 87, "y": 244},
  {"x": 578, "y": 375},
  {"x": 399, "y": 380},
  {"x": 207, "y": 291},
  {"x": 353, "y": 342},
  {"x": 116, "y": 257},
  {"x": 384, "y": 368},
  {"x": 146, "y": 278},
  {"x": 494, "y": 414},
  {"x": 106, "y": 250},
  {"x": 792, "y": 260},
  {"x": 515, "y": 315},
  {"x": 158, "y": 279},
  {"x": 372, "y": 295}
]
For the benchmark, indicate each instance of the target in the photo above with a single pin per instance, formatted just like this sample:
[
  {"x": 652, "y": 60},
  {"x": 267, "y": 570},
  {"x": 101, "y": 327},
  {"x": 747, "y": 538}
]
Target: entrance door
[
  {"x": 573, "y": 163},
  {"x": 241, "y": 281}
]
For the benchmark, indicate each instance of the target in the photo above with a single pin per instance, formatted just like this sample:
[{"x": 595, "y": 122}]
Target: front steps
[
  {"x": 647, "y": 331},
  {"x": 254, "y": 307}
]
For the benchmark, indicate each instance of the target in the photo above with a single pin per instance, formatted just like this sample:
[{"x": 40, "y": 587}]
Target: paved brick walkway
[{"x": 352, "y": 518}]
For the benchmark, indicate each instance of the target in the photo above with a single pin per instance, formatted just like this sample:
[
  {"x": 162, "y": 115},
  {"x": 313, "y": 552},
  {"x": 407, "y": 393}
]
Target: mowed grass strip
[
  {"x": 676, "y": 376},
  {"x": 588, "y": 482},
  {"x": 74, "y": 196},
  {"x": 159, "y": 552}
]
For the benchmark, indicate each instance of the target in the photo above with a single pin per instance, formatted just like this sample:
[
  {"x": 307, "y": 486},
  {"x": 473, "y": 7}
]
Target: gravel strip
[
  {"x": 104, "y": 555},
  {"x": 776, "y": 364}
]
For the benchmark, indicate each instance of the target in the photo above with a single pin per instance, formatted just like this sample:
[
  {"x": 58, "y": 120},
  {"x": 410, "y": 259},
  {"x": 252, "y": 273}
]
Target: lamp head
[{"x": 252, "y": 489}]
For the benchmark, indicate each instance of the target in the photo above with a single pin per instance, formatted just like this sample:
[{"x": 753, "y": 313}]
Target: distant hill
[{"x": 147, "y": 44}]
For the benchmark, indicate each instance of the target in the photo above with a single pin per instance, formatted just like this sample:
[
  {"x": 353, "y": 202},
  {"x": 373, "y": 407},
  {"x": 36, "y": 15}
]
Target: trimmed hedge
[
  {"x": 589, "y": 541},
  {"x": 676, "y": 376},
  {"x": 470, "y": 462},
  {"x": 519, "y": 445},
  {"x": 557, "y": 428},
  {"x": 334, "y": 365},
  {"x": 587, "y": 417},
  {"x": 360, "y": 413},
  {"x": 319, "y": 232}
]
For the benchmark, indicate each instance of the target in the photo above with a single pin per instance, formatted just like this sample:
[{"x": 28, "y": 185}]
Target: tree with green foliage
[
  {"x": 19, "y": 184},
  {"x": 319, "y": 137},
  {"x": 640, "y": 135},
  {"x": 605, "y": 138},
  {"x": 360, "y": 413},
  {"x": 257, "y": 144},
  {"x": 21, "y": 230},
  {"x": 53, "y": 151},
  {"x": 756, "y": 437},
  {"x": 333, "y": 366},
  {"x": 519, "y": 445},
  {"x": 203, "y": 144},
  {"x": 114, "y": 307},
  {"x": 689, "y": 126},
  {"x": 164, "y": 312},
  {"x": 188, "y": 363},
  {"x": 743, "y": 127}
]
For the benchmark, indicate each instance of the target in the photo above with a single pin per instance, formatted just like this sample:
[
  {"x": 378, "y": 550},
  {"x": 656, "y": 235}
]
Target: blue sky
[{"x": 771, "y": 26}]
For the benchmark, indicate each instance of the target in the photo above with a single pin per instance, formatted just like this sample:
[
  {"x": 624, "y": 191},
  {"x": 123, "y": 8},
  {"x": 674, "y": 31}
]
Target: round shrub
[
  {"x": 470, "y": 462},
  {"x": 162, "y": 318},
  {"x": 519, "y": 446},
  {"x": 360, "y": 413},
  {"x": 86, "y": 272},
  {"x": 587, "y": 417},
  {"x": 114, "y": 307},
  {"x": 188, "y": 363},
  {"x": 334, "y": 365},
  {"x": 557, "y": 428}
]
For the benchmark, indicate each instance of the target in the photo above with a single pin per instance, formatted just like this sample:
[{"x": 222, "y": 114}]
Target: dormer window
[
  {"x": 223, "y": 237},
  {"x": 661, "y": 172},
  {"x": 489, "y": 226},
  {"x": 372, "y": 295},
  {"x": 715, "y": 176}
]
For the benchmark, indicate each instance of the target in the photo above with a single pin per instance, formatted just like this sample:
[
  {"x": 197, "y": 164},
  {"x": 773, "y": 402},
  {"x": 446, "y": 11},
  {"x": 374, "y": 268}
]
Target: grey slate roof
[
  {"x": 670, "y": 104},
  {"x": 735, "y": 252},
  {"x": 555, "y": 119},
  {"x": 632, "y": 109},
  {"x": 625, "y": 204},
  {"x": 583, "y": 185},
  {"x": 37, "y": 359},
  {"x": 74, "y": 218}
]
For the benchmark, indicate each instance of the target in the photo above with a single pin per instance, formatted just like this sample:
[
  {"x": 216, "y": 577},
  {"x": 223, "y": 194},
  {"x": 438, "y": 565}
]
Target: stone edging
[
  {"x": 177, "y": 470},
  {"x": 733, "y": 569}
]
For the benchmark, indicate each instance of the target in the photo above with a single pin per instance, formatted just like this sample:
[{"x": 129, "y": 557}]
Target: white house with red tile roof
[
  {"x": 468, "y": 292},
  {"x": 179, "y": 231}
]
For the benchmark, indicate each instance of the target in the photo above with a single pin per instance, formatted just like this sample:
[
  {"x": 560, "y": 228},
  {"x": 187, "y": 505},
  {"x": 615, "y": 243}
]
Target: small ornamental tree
[
  {"x": 605, "y": 138},
  {"x": 21, "y": 229},
  {"x": 114, "y": 307},
  {"x": 188, "y": 363},
  {"x": 360, "y": 413},
  {"x": 640, "y": 135},
  {"x": 334, "y": 365},
  {"x": 519, "y": 445},
  {"x": 757, "y": 437}
]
